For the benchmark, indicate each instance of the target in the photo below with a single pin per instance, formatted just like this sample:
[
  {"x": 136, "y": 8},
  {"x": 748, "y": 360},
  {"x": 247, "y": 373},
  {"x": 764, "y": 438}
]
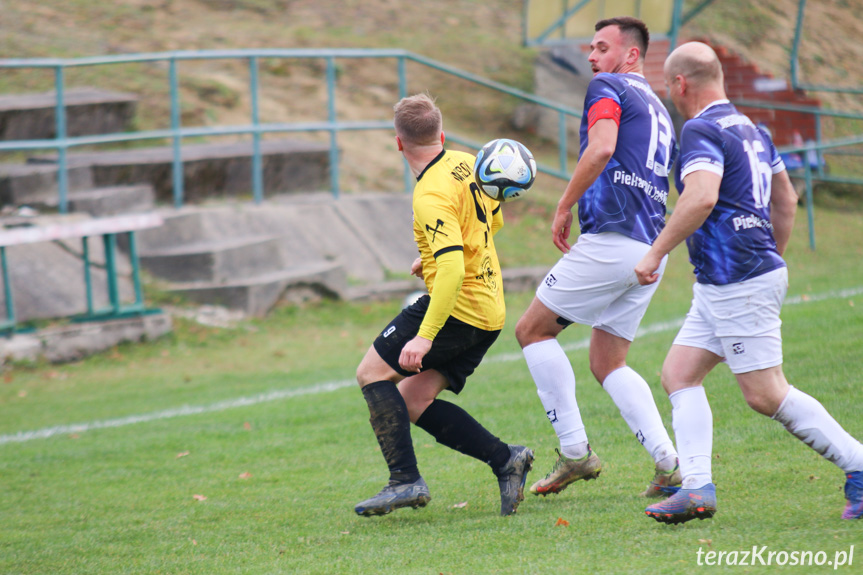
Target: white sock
[
  {"x": 555, "y": 385},
  {"x": 808, "y": 421},
  {"x": 633, "y": 398},
  {"x": 693, "y": 428}
]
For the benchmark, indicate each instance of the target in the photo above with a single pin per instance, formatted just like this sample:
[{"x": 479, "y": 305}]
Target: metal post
[
  {"x": 175, "y": 128},
  {"x": 7, "y": 290},
  {"x": 563, "y": 143},
  {"x": 676, "y": 17},
  {"x": 88, "y": 280},
  {"x": 110, "y": 241},
  {"x": 819, "y": 157},
  {"x": 136, "y": 270},
  {"x": 331, "y": 116},
  {"x": 60, "y": 119},
  {"x": 810, "y": 209},
  {"x": 795, "y": 46},
  {"x": 403, "y": 91},
  {"x": 257, "y": 165}
]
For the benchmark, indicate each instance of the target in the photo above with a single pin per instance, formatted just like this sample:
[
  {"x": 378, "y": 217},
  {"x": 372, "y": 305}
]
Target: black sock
[
  {"x": 392, "y": 426},
  {"x": 452, "y": 426}
]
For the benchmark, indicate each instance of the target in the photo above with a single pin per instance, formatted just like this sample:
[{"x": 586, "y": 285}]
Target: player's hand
[
  {"x": 417, "y": 268},
  {"x": 560, "y": 229},
  {"x": 411, "y": 358},
  {"x": 645, "y": 270}
]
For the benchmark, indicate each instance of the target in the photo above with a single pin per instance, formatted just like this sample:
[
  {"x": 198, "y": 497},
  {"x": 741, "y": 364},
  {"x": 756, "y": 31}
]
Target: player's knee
[
  {"x": 522, "y": 331},
  {"x": 763, "y": 404},
  {"x": 366, "y": 374},
  {"x": 528, "y": 331}
]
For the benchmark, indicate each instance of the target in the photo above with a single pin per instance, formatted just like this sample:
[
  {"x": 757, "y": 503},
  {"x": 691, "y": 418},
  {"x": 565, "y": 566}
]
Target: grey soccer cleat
[
  {"x": 664, "y": 483},
  {"x": 395, "y": 496},
  {"x": 567, "y": 471},
  {"x": 512, "y": 476}
]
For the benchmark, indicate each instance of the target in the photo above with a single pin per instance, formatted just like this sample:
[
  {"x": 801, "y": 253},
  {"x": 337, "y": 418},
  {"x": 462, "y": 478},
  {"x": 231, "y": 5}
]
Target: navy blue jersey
[
  {"x": 629, "y": 196},
  {"x": 736, "y": 242}
]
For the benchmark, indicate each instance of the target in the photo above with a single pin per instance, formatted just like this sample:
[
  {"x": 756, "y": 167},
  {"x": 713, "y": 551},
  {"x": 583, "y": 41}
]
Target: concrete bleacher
[
  {"x": 89, "y": 111},
  {"x": 210, "y": 170},
  {"x": 300, "y": 243}
]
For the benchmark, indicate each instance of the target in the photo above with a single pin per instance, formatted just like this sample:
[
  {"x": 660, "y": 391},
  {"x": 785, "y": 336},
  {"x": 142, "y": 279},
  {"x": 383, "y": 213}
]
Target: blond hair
[
  {"x": 418, "y": 120},
  {"x": 697, "y": 62}
]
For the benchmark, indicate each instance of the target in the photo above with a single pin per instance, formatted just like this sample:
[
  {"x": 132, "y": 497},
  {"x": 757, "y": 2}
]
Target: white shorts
[
  {"x": 738, "y": 322},
  {"x": 595, "y": 284}
]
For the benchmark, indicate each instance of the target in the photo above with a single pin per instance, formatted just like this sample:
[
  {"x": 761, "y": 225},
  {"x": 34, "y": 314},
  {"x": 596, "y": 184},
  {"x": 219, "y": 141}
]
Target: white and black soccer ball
[{"x": 504, "y": 169}]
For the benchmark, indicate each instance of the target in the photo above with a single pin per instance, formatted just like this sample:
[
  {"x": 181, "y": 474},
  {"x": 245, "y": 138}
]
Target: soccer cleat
[
  {"x": 664, "y": 483},
  {"x": 566, "y": 471},
  {"x": 512, "y": 476},
  {"x": 395, "y": 496},
  {"x": 854, "y": 495},
  {"x": 685, "y": 505}
]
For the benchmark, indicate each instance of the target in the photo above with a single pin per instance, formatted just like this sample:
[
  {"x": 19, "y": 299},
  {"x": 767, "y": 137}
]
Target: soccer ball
[{"x": 504, "y": 169}]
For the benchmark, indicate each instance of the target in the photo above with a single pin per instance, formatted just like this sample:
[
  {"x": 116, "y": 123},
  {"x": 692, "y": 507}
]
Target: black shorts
[{"x": 455, "y": 352}]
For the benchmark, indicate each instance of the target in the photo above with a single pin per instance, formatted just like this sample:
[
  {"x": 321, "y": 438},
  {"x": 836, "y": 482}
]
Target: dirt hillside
[{"x": 482, "y": 37}]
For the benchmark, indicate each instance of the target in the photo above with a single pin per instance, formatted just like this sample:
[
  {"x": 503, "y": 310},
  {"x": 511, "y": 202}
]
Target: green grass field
[{"x": 225, "y": 451}]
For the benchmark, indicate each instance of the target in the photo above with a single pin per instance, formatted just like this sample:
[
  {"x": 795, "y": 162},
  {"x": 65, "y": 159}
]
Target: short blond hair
[
  {"x": 418, "y": 120},
  {"x": 697, "y": 62}
]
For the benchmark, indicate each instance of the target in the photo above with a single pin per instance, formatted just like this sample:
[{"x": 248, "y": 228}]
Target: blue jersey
[
  {"x": 736, "y": 242},
  {"x": 629, "y": 196}
]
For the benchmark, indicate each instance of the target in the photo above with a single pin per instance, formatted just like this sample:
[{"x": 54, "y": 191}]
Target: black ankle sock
[
  {"x": 452, "y": 426},
  {"x": 392, "y": 426}
]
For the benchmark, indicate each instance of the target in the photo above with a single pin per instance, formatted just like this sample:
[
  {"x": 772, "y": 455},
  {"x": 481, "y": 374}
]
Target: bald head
[{"x": 698, "y": 63}]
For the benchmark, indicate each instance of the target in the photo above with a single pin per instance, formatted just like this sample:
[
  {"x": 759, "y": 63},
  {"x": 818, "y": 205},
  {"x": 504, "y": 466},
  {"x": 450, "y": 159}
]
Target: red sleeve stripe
[{"x": 605, "y": 108}]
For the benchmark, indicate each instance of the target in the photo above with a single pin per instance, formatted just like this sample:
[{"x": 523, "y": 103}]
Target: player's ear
[
  {"x": 634, "y": 55},
  {"x": 399, "y": 144},
  {"x": 442, "y": 138}
]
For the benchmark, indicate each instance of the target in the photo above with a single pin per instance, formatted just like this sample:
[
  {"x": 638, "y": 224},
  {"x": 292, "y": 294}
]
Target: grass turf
[{"x": 269, "y": 486}]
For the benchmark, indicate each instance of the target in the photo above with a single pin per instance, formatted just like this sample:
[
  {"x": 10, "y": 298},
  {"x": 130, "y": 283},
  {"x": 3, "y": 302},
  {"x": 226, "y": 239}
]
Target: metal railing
[
  {"x": 177, "y": 132},
  {"x": 814, "y": 170}
]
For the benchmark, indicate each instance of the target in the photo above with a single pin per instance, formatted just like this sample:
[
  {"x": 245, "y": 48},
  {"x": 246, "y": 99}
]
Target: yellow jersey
[{"x": 452, "y": 214}]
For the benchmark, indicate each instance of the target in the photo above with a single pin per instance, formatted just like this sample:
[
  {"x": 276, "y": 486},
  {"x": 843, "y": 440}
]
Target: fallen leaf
[
  {"x": 460, "y": 505},
  {"x": 851, "y": 303},
  {"x": 199, "y": 497},
  {"x": 247, "y": 426},
  {"x": 804, "y": 297},
  {"x": 561, "y": 522},
  {"x": 7, "y": 378},
  {"x": 74, "y": 436},
  {"x": 245, "y": 475},
  {"x": 194, "y": 542},
  {"x": 22, "y": 393},
  {"x": 182, "y": 454},
  {"x": 345, "y": 532},
  {"x": 709, "y": 542}
]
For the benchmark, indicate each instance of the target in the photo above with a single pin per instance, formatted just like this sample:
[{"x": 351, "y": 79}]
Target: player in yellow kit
[{"x": 437, "y": 342}]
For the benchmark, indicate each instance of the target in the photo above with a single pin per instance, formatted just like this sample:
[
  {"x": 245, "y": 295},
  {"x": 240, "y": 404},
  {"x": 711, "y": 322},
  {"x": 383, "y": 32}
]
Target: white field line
[{"x": 317, "y": 388}]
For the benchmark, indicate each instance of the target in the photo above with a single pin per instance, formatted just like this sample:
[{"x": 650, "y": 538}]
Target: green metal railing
[
  {"x": 177, "y": 133},
  {"x": 554, "y": 33},
  {"x": 795, "y": 61}
]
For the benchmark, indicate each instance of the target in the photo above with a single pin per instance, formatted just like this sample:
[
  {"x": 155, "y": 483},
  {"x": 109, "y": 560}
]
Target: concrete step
[
  {"x": 210, "y": 170},
  {"x": 256, "y": 296},
  {"x": 113, "y": 200},
  {"x": 88, "y": 111},
  {"x": 36, "y": 184},
  {"x": 216, "y": 260}
]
